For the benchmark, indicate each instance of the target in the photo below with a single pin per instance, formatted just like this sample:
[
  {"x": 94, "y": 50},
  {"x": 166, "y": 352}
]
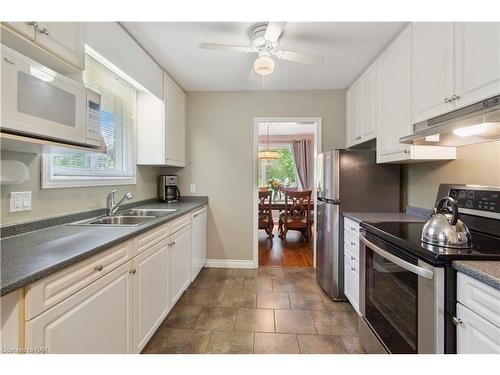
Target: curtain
[{"x": 302, "y": 152}]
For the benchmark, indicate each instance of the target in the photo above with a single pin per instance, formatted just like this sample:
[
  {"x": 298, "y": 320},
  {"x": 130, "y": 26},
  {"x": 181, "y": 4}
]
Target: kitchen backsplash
[{"x": 475, "y": 164}]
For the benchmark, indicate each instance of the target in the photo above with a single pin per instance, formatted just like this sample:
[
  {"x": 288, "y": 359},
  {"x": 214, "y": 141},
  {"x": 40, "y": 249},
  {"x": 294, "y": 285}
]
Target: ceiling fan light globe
[{"x": 263, "y": 65}]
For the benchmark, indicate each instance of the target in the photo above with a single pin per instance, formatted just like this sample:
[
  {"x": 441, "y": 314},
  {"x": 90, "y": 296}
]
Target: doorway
[{"x": 285, "y": 151}]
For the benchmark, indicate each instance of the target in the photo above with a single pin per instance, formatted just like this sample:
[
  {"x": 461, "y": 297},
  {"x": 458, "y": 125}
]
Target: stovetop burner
[{"x": 407, "y": 236}]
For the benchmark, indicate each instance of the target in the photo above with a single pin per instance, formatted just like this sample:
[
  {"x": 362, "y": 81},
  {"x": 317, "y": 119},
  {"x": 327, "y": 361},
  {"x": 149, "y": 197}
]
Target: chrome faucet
[{"x": 111, "y": 206}]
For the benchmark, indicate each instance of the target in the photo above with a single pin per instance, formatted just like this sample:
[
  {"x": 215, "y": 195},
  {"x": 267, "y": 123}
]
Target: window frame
[
  {"x": 49, "y": 180},
  {"x": 274, "y": 145}
]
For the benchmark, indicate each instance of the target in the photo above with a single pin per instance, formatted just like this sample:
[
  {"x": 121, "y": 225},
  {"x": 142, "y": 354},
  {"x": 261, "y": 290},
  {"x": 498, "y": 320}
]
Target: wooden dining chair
[
  {"x": 297, "y": 214},
  {"x": 265, "y": 212}
]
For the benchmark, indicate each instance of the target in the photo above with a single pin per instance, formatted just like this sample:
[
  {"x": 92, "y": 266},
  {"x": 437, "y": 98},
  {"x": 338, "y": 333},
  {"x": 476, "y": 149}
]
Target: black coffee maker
[{"x": 167, "y": 189}]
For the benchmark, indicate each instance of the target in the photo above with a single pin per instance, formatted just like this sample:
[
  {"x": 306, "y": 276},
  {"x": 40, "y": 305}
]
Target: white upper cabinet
[
  {"x": 477, "y": 61},
  {"x": 394, "y": 114},
  {"x": 65, "y": 40},
  {"x": 432, "y": 69},
  {"x": 361, "y": 108},
  {"x": 175, "y": 123},
  {"x": 453, "y": 65},
  {"x": 161, "y": 127}
]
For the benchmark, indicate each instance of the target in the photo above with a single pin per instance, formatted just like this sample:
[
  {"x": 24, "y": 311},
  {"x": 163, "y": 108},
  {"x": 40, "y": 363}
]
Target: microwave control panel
[
  {"x": 94, "y": 116},
  {"x": 478, "y": 200}
]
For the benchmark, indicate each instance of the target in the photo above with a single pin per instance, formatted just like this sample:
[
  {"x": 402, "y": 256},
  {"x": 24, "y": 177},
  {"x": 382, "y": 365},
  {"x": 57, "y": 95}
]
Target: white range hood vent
[{"x": 476, "y": 123}]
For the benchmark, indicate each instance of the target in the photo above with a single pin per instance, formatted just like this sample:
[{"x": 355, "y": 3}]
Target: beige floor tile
[
  {"x": 185, "y": 341},
  {"x": 204, "y": 281},
  {"x": 353, "y": 345},
  {"x": 246, "y": 273},
  {"x": 183, "y": 316},
  {"x": 216, "y": 271},
  {"x": 260, "y": 284},
  {"x": 255, "y": 320},
  {"x": 273, "y": 300},
  {"x": 230, "y": 342},
  {"x": 270, "y": 272},
  {"x": 294, "y": 321},
  {"x": 336, "y": 306},
  {"x": 203, "y": 297},
  {"x": 240, "y": 298},
  {"x": 306, "y": 301},
  {"x": 334, "y": 323},
  {"x": 321, "y": 344},
  {"x": 276, "y": 343},
  {"x": 217, "y": 318},
  {"x": 230, "y": 282}
]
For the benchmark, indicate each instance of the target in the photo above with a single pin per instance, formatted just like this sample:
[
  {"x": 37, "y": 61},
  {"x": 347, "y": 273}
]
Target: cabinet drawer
[
  {"x": 478, "y": 297},
  {"x": 53, "y": 289},
  {"x": 476, "y": 335},
  {"x": 351, "y": 227},
  {"x": 179, "y": 223},
  {"x": 351, "y": 239},
  {"x": 150, "y": 238},
  {"x": 352, "y": 253}
]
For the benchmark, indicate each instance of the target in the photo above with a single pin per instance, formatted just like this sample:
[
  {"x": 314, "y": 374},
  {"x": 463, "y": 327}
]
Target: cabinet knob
[
  {"x": 133, "y": 271},
  {"x": 457, "y": 321},
  {"x": 33, "y": 23},
  {"x": 406, "y": 151},
  {"x": 44, "y": 31},
  {"x": 99, "y": 267},
  {"x": 352, "y": 258},
  {"x": 173, "y": 243},
  {"x": 352, "y": 243},
  {"x": 447, "y": 100},
  {"x": 455, "y": 97}
]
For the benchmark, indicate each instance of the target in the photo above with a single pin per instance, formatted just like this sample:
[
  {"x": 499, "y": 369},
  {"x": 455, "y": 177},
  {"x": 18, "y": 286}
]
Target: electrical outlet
[
  {"x": 20, "y": 201},
  {"x": 192, "y": 188}
]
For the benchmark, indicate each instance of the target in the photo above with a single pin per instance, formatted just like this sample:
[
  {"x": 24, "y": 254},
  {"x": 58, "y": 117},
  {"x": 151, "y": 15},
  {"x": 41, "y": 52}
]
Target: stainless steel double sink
[{"x": 132, "y": 217}]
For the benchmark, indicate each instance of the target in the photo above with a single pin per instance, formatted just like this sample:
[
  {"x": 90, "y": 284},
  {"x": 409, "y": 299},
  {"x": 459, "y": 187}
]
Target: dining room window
[{"x": 282, "y": 168}]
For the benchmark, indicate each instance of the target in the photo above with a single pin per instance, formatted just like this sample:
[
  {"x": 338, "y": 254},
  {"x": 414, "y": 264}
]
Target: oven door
[
  {"x": 41, "y": 103},
  {"x": 401, "y": 298}
]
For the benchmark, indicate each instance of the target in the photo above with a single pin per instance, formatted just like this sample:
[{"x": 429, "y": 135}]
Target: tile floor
[{"x": 269, "y": 310}]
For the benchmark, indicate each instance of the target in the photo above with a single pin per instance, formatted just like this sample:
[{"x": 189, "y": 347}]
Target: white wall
[{"x": 220, "y": 154}]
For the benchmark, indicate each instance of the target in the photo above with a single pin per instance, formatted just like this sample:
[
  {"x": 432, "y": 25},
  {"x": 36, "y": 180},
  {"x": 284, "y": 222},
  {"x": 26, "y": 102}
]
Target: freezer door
[
  {"x": 329, "y": 271},
  {"x": 329, "y": 173}
]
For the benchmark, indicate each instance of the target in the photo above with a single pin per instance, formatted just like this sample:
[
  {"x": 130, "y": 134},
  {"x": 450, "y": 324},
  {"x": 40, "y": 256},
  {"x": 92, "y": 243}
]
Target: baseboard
[{"x": 230, "y": 263}]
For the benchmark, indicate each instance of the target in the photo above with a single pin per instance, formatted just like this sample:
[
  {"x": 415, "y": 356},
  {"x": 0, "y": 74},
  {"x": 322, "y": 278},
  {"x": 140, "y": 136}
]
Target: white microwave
[{"x": 40, "y": 103}]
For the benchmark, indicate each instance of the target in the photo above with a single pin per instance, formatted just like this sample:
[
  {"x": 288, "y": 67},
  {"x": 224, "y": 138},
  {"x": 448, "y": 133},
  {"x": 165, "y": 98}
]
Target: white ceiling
[
  {"x": 347, "y": 47},
  {"x": 286, "y": 128}
]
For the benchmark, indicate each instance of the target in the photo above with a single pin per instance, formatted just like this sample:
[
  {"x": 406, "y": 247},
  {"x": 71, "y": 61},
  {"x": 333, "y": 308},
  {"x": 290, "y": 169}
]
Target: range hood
[{"x": 475, "y": 123}]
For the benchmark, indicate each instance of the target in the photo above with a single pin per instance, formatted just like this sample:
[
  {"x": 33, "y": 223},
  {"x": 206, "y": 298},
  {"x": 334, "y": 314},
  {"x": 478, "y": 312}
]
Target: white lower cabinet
[
  {"x": 198, "y": 242},
  {"x": 179, "y": 263},
  {"x": 97, "y": 319},
  {"x": 476, "y": 335},
  {"x": 151, "y": 292},
  {"x": 351, "y": 262}
]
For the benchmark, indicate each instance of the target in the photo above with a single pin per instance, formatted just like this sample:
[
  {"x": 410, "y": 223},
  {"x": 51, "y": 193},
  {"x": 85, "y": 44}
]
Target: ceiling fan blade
[
  {"x": 274, "y": 30},
  {"x": 226, "y": 47},
  {"x": 299, "y": 57}
]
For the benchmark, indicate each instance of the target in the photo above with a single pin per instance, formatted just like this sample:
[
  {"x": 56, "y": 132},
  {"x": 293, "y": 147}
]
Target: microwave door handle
[{"x": 400, "y": 262}]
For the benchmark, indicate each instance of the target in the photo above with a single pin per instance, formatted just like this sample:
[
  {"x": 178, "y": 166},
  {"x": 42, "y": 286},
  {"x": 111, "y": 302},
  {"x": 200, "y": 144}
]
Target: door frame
[{"x": 317, "y": 150}]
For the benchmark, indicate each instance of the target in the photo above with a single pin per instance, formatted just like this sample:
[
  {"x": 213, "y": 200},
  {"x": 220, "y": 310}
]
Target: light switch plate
[
  {"x": 20, "y": 201},
  {"x": 192, "y": 188}
]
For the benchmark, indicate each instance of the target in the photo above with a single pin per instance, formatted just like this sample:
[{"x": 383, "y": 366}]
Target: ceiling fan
[{"x": 264, "y": 40}]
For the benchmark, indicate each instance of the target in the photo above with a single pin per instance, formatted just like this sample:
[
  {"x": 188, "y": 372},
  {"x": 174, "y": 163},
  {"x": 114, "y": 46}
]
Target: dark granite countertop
[
  {"x": 28, "y": 257},
  {"x": 488, "y": 272},
  {"x": 383, "y": 216}
]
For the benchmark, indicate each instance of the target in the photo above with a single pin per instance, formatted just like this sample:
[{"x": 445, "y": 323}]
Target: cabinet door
[
  {"x": 64, "y": 39},
  {"x": 475, "y": 335},
  {"x": 477, "y": 59},
  {"x": 432, "y": 69},
  {"x": 151, "y": 300},
  {"x": 23, "y": 28},
  {"x": 97, "y": 319},
  {"x": 198, "y": 242},
  {"x": 352, "y": 107},
  {"x": 179, "y": 263},
  {"x": 394, "y": 106},
  {"x": 368, "y": 107},
  {"x": 174, "y": 124}
]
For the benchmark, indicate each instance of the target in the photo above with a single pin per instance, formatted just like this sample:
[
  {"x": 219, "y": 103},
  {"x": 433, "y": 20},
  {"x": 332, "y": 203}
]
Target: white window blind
[{"x": 118, "y": 99}]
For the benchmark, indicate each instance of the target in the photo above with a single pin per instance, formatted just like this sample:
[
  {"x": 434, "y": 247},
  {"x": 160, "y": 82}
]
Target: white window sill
[{"x": 62, "y": 182}]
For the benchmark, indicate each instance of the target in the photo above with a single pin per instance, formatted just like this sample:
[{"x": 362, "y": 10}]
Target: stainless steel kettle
[{"x": 445, "y": 229}]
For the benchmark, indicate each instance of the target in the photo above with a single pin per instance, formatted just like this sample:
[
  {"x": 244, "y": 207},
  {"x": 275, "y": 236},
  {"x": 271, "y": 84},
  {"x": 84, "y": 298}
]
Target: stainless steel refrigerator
[{"x": 348, "y": 181}]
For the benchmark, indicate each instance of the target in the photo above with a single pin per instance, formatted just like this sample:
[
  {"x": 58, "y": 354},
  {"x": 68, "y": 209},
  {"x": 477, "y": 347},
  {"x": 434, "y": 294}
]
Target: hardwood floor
[{"x": 294, "y": 251}]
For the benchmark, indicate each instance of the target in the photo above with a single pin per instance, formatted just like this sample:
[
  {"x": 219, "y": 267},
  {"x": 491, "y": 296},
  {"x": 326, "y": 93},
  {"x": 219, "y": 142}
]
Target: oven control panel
[{"x": 477, "y": 200}]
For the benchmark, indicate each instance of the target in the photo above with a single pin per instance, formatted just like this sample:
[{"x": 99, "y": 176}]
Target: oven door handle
[{"x": 400, "y": 262}]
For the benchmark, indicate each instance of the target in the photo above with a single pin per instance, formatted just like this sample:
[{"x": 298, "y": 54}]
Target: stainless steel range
[{"x": 408, "y": 286}]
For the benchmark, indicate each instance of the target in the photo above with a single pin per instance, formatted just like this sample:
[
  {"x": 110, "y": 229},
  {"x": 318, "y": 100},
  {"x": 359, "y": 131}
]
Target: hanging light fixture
[
  {"x": 268, "y": 154},
  {"x": 264, "y": 65}
]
